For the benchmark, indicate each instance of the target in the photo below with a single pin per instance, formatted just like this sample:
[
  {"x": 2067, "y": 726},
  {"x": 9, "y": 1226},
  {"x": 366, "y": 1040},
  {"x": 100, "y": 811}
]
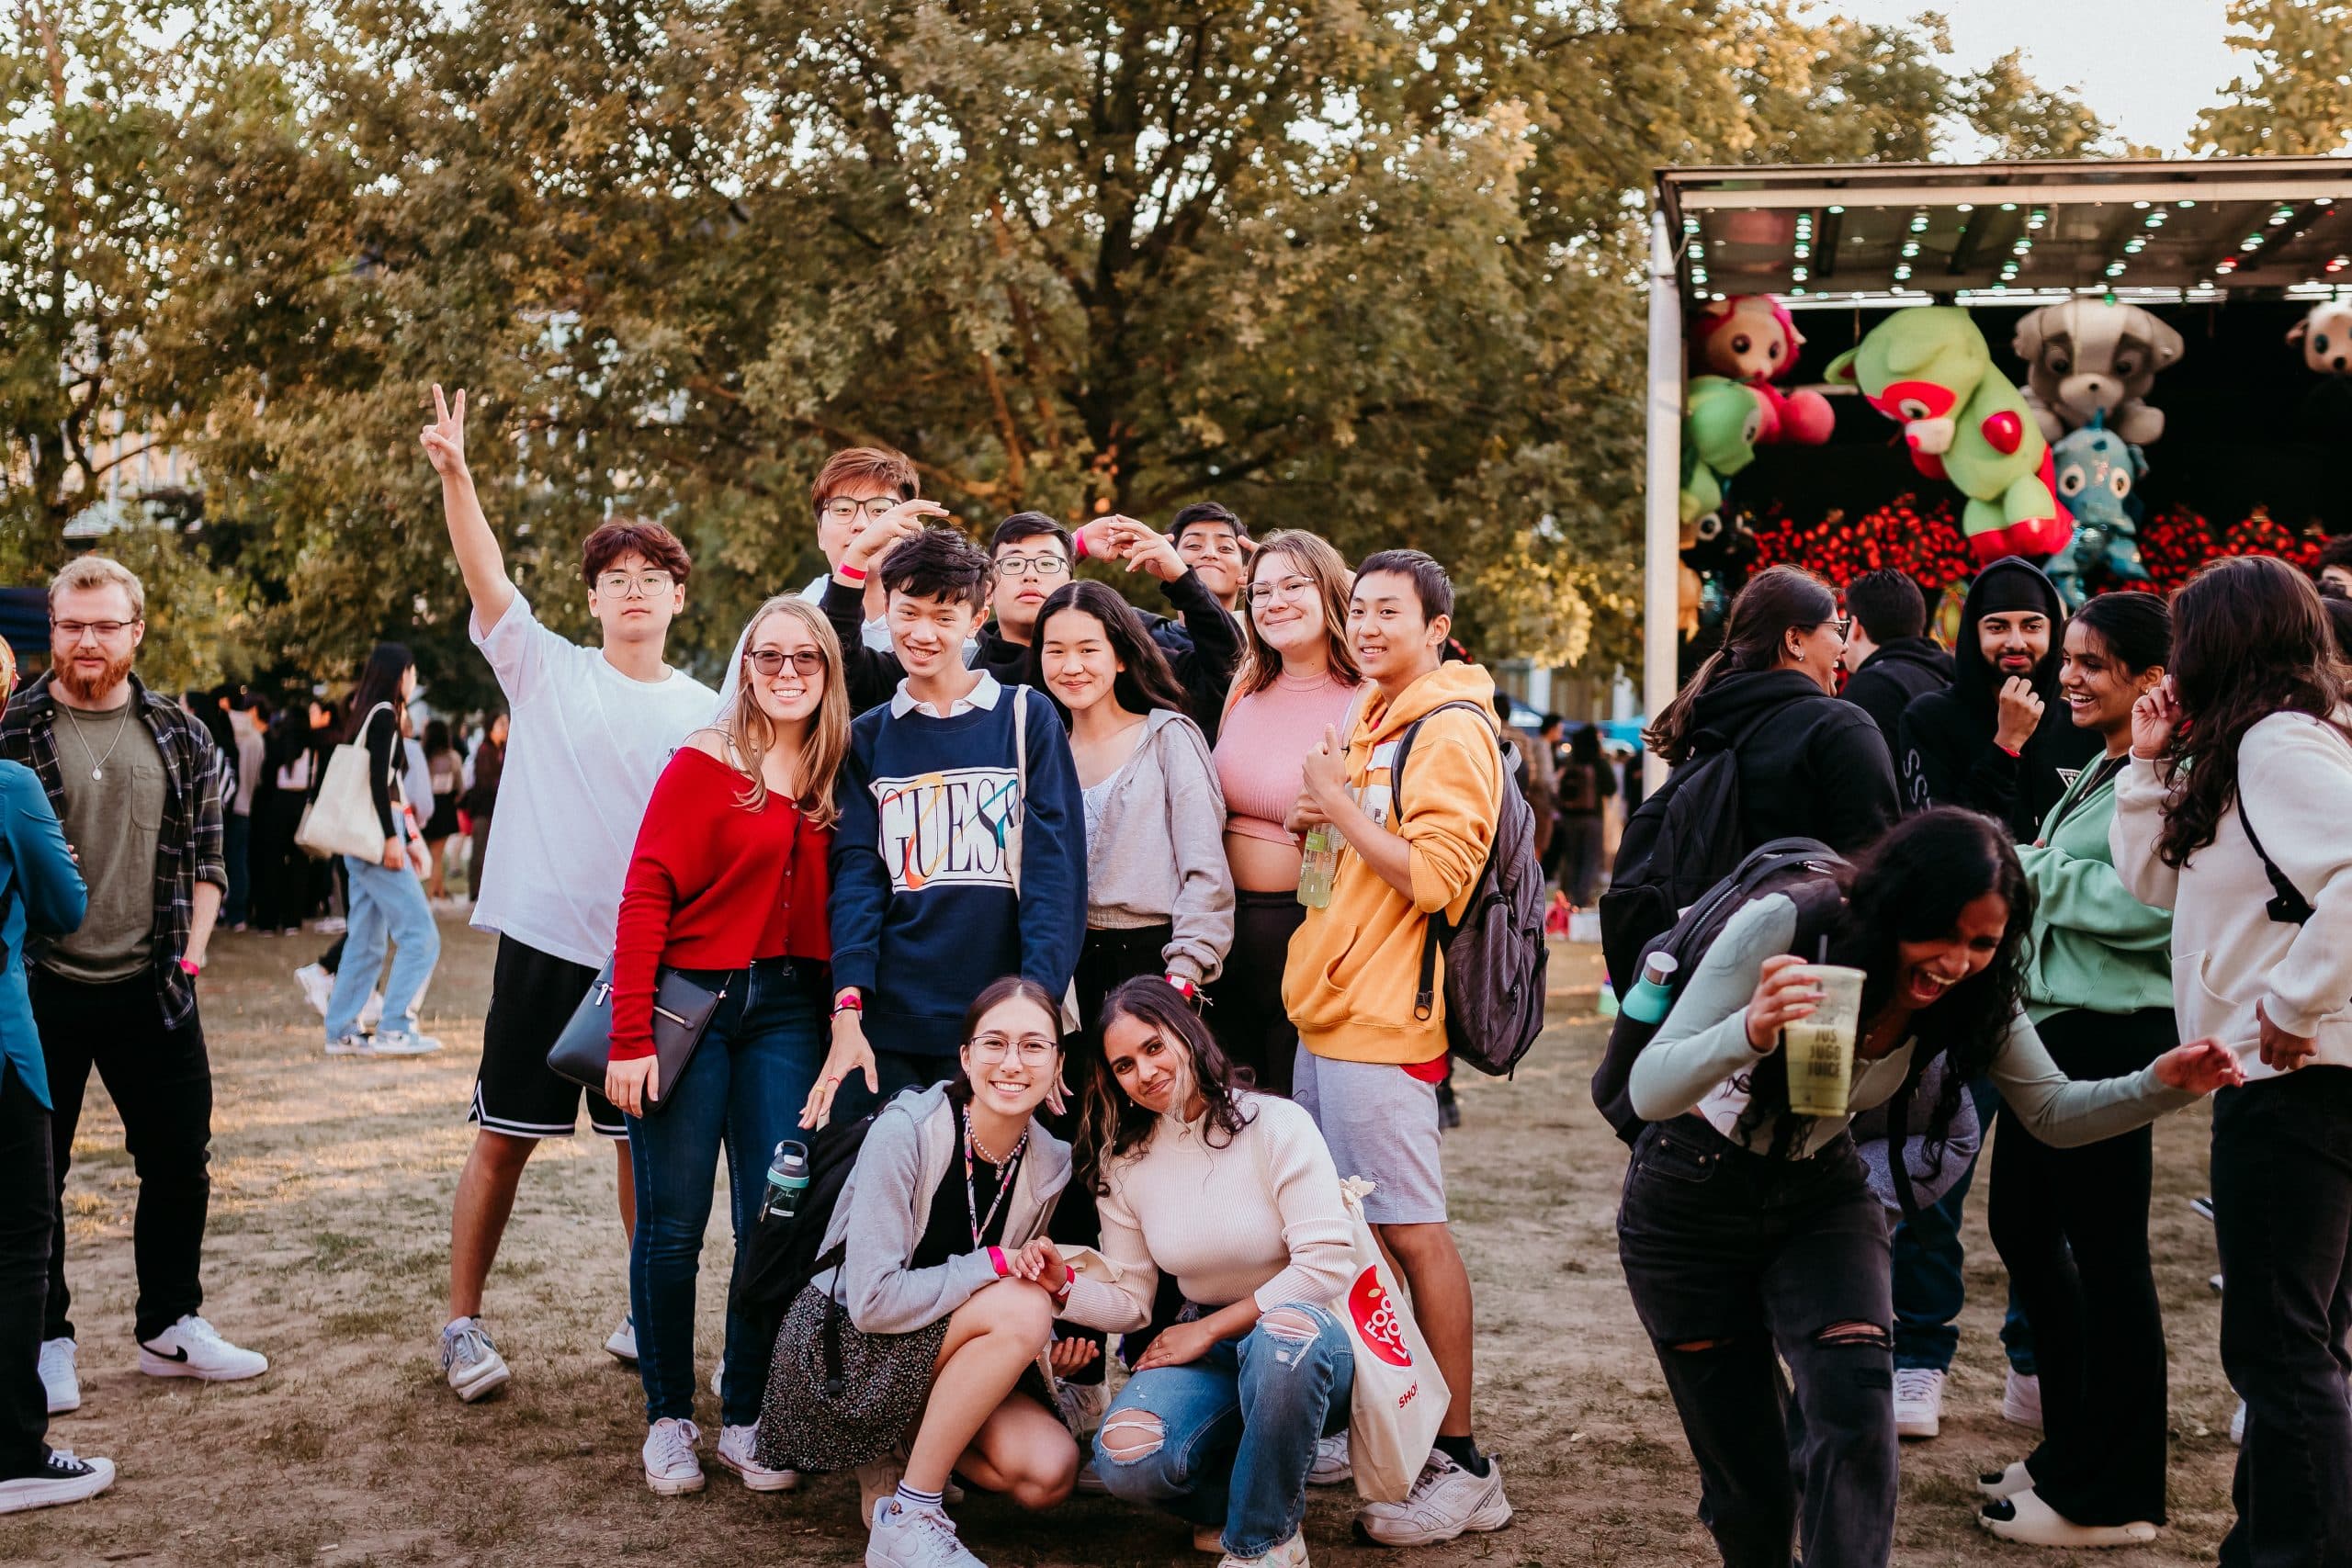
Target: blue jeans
[
  {"x": 1228, "y": 1440},
  {"x": 1929, "y": 1287},
  {"x": 742, "y": 1091},
  {"x": 385, "y": 904}
]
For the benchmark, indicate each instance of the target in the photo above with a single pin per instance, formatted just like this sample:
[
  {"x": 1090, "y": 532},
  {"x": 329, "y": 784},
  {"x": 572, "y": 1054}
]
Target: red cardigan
[{"x": 712, "y": 885}]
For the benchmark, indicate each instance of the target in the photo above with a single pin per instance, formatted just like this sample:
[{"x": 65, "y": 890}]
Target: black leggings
[
  {"x": 2072, "y": 1227},
  {"x": 1246, "y": 1010}
]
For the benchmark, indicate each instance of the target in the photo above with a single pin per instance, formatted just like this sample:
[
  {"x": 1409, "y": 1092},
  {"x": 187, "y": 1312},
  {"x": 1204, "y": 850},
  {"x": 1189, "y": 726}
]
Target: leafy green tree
[{"x": 2296, "y": 99}]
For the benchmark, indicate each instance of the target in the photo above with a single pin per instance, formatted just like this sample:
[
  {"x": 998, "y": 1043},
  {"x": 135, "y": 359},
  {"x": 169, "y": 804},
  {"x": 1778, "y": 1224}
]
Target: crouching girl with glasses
[
  {"x": 1234, "y": 1193},
  {"x": 917, "y": 1324}
]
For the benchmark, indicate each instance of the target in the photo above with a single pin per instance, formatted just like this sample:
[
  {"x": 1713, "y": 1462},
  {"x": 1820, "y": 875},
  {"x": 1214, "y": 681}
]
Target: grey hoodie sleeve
[
  {"x": 882, "y": 1294},
  {"x": 1202, "y": 913},
  {"x": 2066, "y": 1112},
  {"x": 1704, "y": 1038}
]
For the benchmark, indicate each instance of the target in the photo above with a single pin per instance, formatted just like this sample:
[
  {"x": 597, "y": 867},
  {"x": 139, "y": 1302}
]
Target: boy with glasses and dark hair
[
  {"x": 590, "y": 729},
  {"x": 961, "y": 852}
]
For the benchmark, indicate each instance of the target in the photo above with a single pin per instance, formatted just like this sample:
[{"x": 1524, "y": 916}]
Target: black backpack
[
  {"x": 780, "y": 1257},
  {"x": 1677, "y": 844},
  {"x": 1804, "y": 869},
  {"x": 1495, "y": 958}
]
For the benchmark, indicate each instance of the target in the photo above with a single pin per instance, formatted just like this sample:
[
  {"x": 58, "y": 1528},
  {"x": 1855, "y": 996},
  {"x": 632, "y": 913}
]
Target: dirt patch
[{"x": 329, "y": 1251}]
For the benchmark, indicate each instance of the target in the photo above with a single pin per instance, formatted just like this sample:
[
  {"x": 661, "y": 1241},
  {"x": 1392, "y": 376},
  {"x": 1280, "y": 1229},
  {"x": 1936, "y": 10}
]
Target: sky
[{"x": 2147, "y": 67}]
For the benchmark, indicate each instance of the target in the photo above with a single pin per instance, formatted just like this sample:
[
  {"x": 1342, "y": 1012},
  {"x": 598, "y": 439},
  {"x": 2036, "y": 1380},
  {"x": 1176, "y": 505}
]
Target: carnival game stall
[{"x": 2116, "y": 369}]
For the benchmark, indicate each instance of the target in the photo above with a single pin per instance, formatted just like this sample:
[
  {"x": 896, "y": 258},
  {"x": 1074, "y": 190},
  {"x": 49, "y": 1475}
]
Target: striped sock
[{"x": 911, "y": 1500}]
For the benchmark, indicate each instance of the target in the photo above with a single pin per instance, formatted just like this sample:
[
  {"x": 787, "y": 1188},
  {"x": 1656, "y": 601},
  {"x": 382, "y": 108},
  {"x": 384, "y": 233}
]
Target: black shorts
[{"x": 532, "y": 996}]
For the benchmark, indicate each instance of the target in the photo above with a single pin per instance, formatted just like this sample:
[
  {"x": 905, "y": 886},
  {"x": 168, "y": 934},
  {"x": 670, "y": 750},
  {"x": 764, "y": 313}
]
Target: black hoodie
[
  {"x": 1947, "y": 752},
  {"x": 1901, "y": 669},
  {"x": 1810, "y": 766}
]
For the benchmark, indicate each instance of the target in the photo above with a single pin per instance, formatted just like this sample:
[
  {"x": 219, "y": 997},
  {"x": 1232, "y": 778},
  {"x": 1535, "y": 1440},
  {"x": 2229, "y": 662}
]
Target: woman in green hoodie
[{"x": 2072, "y": 1224}]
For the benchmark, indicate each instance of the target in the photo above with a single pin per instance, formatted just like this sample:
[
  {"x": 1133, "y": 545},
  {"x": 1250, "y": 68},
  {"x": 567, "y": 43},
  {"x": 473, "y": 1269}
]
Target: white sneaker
[
  {"x": 194, "y": 1349},
  {"x": 318, "y": 987},
  {"x": 399, "y": 1043},
  {"x": 735, "y": 1452},
  {"x": 1333, "y": 1465},
  {"x": 915, "y": 1538},
  {"x": 471, "y": 1361},
  {"x": 2024, "y": 1517},
  {"x": 672, "y": 1466},
  {"x": 351, "y": 1045},
  {"x": 59, "y": 1378},
  {"x": 1445, "y": 1500},
  {"x": 621, "y": 1343},
  {"x": 2021, "y": 1400},
  {"x": 1918, "y": 1402},
  {"x": 1291, "y": 1553},
  {"x": 63, "y": 1478}
]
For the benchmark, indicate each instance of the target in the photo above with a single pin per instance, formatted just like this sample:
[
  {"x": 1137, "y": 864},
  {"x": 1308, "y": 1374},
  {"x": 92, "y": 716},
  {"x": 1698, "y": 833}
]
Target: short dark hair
[
  {"x": 633, "y": 535},
  {"x": 1550, "y": 721},
  {"x": 1205, "y": 514},
  {"x": 938, "y": 563},
  {"x": 2336, "y": 552},
  {"x": 1888, "y": 604},
  {"x": 1429, "y": 581},
  {"x": 1028, "y": 525}
]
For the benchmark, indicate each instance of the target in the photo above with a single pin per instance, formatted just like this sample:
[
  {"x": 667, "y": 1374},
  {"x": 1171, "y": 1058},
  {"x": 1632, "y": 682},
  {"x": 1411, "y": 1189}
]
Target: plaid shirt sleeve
[{"x": 207, "y": 834}]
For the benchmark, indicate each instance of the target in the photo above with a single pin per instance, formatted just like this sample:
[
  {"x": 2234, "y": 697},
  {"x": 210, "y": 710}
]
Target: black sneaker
[{"x": 61, "y": 1479}]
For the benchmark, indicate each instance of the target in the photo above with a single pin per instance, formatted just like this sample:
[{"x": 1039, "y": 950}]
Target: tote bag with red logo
[{"x": 1399, "y": 1395}]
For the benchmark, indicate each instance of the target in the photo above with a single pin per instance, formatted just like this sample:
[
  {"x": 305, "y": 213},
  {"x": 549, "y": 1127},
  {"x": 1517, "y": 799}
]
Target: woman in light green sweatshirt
[{"x": 2071, "y": 1224}]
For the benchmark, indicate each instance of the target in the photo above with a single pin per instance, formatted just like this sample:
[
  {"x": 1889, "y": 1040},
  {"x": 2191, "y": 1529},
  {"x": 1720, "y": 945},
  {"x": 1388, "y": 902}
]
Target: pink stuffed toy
[{"x": 1752, "y": 338}]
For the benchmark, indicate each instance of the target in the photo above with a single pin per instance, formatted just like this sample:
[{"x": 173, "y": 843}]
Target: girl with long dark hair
[
  {"x": 1749, "y": 1232},
  {"x": 727, "y": 882},
  {"x": 1297, "y": 678},
  {"x": 2071, "y": 1224},
  {"x": 1233, "y": 1194},
  {"x": 1810, "y": 766},
  {"x": 386, "y": 894},
  {"x": 2230, "y": 814},
  {"x": 950, "y": 1184}
]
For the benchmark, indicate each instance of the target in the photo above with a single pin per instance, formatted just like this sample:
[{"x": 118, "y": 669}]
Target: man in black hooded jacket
[
  {"x": 1889, "y": 658},
  {"x": 2000, "y": 741}
]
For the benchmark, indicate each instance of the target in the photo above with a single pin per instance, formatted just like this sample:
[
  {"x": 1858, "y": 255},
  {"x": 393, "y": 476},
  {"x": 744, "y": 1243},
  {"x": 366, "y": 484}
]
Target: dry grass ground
[{"x": 328, "y": 1249}]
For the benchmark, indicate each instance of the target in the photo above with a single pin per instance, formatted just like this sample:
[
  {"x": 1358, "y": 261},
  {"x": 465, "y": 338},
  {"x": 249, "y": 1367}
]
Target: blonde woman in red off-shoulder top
[
  {"x": 727, "y": 882},
  {"x": 1296, "y": 678}
]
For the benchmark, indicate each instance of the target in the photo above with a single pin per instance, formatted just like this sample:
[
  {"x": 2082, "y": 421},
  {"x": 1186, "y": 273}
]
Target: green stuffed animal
[
  {"x": 1929, "y": 367},
  {"x": 1720, "y": 420}
]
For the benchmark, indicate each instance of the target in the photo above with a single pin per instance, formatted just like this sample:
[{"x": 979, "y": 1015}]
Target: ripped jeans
[
  {"x": 1737, "y": 1262},
  {"x": 1226, "y": 1441}
]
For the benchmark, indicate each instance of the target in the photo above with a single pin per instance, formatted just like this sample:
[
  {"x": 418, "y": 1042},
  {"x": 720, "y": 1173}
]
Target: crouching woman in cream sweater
[
  {"x": 1234, "y": 1193},
  {"x": 2230, "y": 814}
]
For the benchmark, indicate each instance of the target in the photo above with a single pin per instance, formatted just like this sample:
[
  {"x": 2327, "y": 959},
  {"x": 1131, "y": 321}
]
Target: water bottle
[
  {"x": 1316, "y": 864},
  {"x": 1648, "y": 1000},
  {"x": 787, "y": 1179}
]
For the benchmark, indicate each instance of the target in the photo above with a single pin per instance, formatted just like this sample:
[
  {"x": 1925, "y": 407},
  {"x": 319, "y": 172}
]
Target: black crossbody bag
[{"x": 682, "y": 1008}]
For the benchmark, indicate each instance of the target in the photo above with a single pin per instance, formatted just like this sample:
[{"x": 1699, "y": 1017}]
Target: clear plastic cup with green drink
[{"x": 1820, "y": 1049}]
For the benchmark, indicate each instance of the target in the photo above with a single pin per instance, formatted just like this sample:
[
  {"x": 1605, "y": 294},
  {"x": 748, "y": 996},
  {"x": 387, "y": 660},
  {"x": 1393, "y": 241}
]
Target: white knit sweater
[
  {"x": 1260, "y": 1216},
  {"x": 2295, "y": 779}
]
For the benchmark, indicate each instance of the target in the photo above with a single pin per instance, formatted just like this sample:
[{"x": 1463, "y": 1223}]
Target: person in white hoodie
[{"x": 2231, "y": 813}]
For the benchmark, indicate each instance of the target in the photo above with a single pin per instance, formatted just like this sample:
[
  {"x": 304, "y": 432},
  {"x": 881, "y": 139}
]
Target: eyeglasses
[
  {"x": 806, "y": 662},
  {"x": 1034, "y": 1050},
  {"x": 1288, "y": 588},
  {"x": 633, "y": 584},
  {"x": 107, "y": 630},
  {"x": 842, "y": 508},
  {"x": 1032, "y": 566},
  {"x": 1845, "y": 625}
]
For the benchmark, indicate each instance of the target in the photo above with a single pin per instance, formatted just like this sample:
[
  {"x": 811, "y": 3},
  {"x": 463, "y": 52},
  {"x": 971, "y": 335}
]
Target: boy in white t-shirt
[{"x": 590, "y": 730}]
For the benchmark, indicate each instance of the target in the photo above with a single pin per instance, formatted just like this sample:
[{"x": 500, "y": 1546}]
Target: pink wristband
[
  {"x": 848, "y": 573},
  {"x": 996, "y": 1262}
]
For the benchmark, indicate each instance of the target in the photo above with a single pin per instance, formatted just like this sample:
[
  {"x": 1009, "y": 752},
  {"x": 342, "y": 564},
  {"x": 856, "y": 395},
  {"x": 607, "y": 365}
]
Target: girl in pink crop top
[{"x": 1262, "y": 749}]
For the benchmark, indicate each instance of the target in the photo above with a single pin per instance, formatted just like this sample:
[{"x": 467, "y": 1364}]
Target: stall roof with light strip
[{"x": 1886, "y": 235}]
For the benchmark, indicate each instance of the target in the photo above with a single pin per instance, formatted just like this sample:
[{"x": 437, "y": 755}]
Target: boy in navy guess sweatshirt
[{"x": 960, "y": 855}]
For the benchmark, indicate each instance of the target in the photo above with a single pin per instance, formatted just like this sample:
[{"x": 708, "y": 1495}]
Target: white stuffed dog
[
  {"x": 2088, "y": 356},
  {"x": 2325, "y": 335}
]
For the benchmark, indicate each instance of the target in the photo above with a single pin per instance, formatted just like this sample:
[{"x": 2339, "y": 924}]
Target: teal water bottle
[
  {"x": 1650, "y": 999},
  {"x": 787, "y": 1179}
]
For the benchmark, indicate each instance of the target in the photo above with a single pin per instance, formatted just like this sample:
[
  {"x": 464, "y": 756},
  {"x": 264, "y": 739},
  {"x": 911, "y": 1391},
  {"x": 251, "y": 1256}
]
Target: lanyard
[{"x": 980, "y": 1223}]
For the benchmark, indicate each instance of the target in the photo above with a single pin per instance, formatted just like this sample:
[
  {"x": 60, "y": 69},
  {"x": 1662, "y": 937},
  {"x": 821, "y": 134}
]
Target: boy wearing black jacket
[
  {"x": 2000, "y": 741},
  {"x": 1889, "y": 658}
]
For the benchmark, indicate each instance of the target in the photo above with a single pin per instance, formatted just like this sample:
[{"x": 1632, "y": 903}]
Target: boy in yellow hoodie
[{"x": 1367, "y": 1066}]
